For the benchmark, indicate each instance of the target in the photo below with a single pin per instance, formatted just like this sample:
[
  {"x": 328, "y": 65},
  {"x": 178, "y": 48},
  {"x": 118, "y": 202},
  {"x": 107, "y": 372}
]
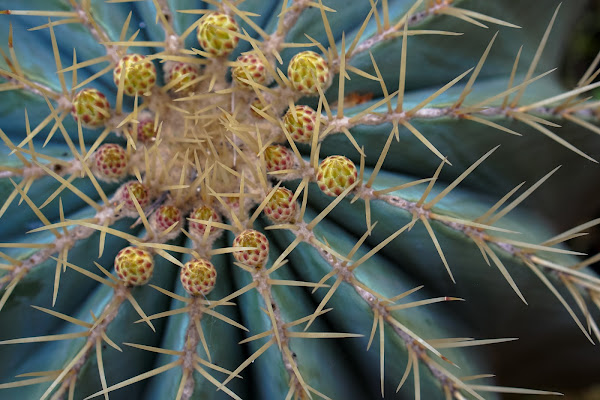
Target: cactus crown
[{"x": 287, "y": 188}]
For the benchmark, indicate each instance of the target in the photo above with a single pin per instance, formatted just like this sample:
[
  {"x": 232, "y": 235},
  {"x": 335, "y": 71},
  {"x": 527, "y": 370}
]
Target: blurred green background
[{"x": 585, "y": 46}]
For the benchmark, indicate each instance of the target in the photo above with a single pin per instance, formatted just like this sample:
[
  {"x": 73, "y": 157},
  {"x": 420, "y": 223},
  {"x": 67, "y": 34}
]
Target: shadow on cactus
[{"x": 276, "y": 200}]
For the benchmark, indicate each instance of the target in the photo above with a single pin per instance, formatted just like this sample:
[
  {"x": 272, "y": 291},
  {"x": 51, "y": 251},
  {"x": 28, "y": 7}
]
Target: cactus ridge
[{"x": 270, "y": 195}]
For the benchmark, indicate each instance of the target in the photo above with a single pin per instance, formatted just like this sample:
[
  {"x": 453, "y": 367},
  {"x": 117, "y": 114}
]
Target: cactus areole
[{"x": 268, "y": 199}]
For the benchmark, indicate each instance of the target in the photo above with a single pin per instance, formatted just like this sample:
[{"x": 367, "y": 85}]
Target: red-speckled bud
[
  {"x": 91, "y": 107},
  {"x": 164, "y": 217},
  {"x": 134, "y": 266},
  {"x": 198, "y": 277},
  {"x": 280, "y": 208},
  {"x": 307, "y": 71},
  {"x": 278, "y": 158},
  {"x": 110, "y": 162},
  {"x": 251, "y": 238},
  {"x": 335, "y": 174},
  {"x": 139, "y": 76},
  {"x": 251, "y": 68},
  {"x": 215, "y": 34},
  {"x": 301, "y": 125},
  {"x": 203, "y": 213}
]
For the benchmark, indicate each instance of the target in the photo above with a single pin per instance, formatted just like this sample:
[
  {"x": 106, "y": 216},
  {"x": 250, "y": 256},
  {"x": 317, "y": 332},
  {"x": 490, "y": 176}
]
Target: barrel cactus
[{"x": 295, "y": 199}]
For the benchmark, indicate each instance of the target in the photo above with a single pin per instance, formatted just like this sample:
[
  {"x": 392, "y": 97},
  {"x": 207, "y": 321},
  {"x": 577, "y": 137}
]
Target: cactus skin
[{"x": 334, "y": 362}]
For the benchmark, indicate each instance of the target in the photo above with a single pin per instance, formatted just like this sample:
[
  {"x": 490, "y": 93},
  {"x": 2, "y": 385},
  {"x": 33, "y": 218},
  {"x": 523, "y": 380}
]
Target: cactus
[{"x": 326, "y": 201}]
